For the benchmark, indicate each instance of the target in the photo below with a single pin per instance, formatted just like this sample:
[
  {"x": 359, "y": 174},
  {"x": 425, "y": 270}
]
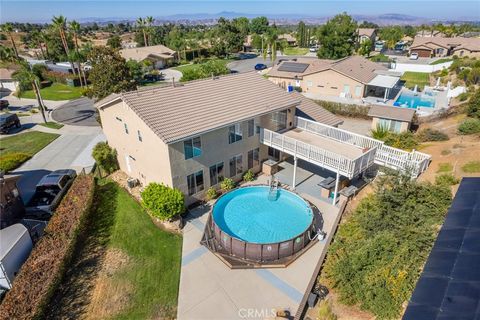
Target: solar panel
[{"x": 293, "y": 67}]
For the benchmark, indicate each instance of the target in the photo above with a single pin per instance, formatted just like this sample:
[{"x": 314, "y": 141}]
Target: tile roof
[
  {"x": 311, "y": 110},
  {"x": 6, "y": 74},
  {"x": 196, "y": 107},
  {"x": 141, "y": 53},
  {"x": 472, "y": 44},
  {"x": 355, "y": 67},
  {"x": 394, "y": 113},
  {"x": 366, "y": 32}
]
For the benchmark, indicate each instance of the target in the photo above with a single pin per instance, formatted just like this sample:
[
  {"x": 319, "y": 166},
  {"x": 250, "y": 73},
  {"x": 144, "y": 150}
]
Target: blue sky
[{"x": 38, "y": 10}]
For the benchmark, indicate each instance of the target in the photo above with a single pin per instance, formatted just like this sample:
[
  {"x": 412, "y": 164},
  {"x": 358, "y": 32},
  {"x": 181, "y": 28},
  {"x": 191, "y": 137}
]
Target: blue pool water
[
  {"x": 248, "y": 214},
  {"x": 411, "y": 101}
]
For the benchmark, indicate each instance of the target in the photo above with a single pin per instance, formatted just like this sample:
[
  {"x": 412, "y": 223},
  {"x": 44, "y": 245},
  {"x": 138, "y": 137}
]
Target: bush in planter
[
  {"x": 211, "y": 193},
  {"x": 469, "y": 126},
  {"x": 227, "y": 184},
  {"x": 162, "y": 201},
  {"x": 105, "y": 157},
  {"x": 431, "y": 135},
  {"x": 249, "y": 176}
]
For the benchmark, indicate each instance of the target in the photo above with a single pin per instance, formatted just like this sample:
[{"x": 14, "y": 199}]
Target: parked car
[
  {"x": 260, "y": 66},
  {"x": 48, "y": 193},
  {"x": 8, "y": 121},
  {"x": 153, "y": 77},
  {"x": 414, "y": 56},
  {"x": 4, "y": 104},
  {"x": 313, "y": 49}
]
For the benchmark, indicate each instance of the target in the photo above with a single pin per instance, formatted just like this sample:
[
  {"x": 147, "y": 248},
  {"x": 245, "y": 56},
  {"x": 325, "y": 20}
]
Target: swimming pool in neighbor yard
[
  {"x": 253, "y": 215},
  {"x": 413, "y": 101}
]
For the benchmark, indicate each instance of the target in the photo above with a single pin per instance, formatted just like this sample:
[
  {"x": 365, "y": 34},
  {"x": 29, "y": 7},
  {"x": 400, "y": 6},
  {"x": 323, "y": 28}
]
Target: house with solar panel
[
  {"x": 352, "y": 77},
  {"x": 192, "y": 135}
]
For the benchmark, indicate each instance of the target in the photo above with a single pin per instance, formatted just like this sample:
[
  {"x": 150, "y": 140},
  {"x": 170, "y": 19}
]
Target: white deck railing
[
  {"x": 413, "y": 162},
  {"x": 319, "y": 156}
]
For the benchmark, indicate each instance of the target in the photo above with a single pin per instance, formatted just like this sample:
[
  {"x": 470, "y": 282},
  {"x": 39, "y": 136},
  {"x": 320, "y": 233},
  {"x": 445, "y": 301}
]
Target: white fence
[
  {"x": 427, "y": 68},
  {"x": 413, "y": 162}
]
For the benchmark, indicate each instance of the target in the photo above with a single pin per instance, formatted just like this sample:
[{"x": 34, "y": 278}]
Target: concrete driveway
[
  {"x": 78, "y": 112},
  {"x": 170, "y": 74}
]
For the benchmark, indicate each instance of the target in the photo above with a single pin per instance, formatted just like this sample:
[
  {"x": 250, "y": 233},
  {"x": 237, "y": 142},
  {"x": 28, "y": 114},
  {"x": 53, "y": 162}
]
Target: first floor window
[
  {"x": 192, "y": 147},
  {"x": 273, "y": 154},
  {"x": 253, "y": 158},
  {"x": 126, "y": 128},
  {"x": 390, "y": 125},
  {"x": 236, "y": 164},
  {"x": 216, "y": 173},
  {"x": 235, "y": 133},
  {"x": 139, "y": 135},
  {"x": 195, "y": 182},
  {"x": 309, "y": 83}
]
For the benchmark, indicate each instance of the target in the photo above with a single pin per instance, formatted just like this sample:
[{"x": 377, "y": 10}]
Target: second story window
[
  {"x": 192, "y": 147},
  {"x": 126, "y": 128},
  {"x": 235, "y": 133},
  {"x": 139, "y": 136},
  {"x": 279, "y": 120}
]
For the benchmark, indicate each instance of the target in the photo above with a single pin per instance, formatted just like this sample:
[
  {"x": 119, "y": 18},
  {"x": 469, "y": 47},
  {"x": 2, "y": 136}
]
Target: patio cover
[{"x": 384, "y": 81}]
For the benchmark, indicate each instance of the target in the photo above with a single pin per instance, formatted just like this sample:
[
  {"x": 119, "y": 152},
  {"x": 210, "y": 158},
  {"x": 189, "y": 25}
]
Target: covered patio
[{"x": 383, "y": 86}]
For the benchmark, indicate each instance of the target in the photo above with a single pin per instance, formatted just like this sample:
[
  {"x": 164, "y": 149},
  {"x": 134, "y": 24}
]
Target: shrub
[
  {"x": 469, "y": 126},
  {"x": 348, "y": 110},
  {"x": 325, "y": 311},
  {"x": 227, "y": 184},
  {"x": 445, "y": 167},
  {"x": 380, "y": 133},
  {"x": 42, "y": 272},
  {"x": 211, "y": 193},
  {"x": 54, "y": 76},
  {"x": 162, "y": 201},
  {"x": 12, "y": 160},
  {"x": 105, "y": 157},
  {"x": 249, "y": 176},
  {"x": 473, "y": 108},
  {"x": 463, "y": 96},
  {"x": 471, "y": 167},
  {"x": 429, "y": 134},
  {"x": 377, "y": 255},
  {"x": 446, "y": 152},
  {"x": 405, "y": 140},
  {"x": 447, "y": 179}
]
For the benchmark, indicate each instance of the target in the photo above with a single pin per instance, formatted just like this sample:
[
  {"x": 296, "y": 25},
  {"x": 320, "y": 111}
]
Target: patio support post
[
  {"x": 336, "y": 188},
  {"x": 386, "y": 95},
  {"x": 294, "y": 171}
]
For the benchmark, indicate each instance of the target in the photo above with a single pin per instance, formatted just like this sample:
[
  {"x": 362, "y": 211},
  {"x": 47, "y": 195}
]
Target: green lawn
[
  {"x": 471, "y": 167},
  {"x": 52, "y": 125},
  {"x": 416, "y": 78},
  {"x": 295, "y": 51},
  {"x": 17, "y": 149},
  {"x": 153, "y": 271},
  {"x": 56, "y": 91},
  {"x": 441, "y": 61},
  {"x": 444, "y": 167},
  {"x": 196, "y": 65}
]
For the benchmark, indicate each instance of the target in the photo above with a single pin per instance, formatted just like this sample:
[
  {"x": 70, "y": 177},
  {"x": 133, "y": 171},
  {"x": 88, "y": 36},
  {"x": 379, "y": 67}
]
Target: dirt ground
[{"x": 457, "y": 151}]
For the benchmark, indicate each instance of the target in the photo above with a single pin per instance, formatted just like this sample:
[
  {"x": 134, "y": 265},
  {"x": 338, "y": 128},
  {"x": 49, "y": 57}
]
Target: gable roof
[
  {"x": 176, "y": 113},
  {"x": 355, "y": 67},
  {"x": 369, "y": 32},
  {"x": 141, "y": 53},
  {"x": 309, "y": 109},
  {"x": 6, "y": 74},
  {"x": 394, "y": 113},
  {"x": 472, "y": 44}
]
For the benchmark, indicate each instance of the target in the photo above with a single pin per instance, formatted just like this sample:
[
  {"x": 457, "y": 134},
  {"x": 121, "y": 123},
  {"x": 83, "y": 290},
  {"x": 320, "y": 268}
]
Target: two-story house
[{"x": 190, "y": 136}]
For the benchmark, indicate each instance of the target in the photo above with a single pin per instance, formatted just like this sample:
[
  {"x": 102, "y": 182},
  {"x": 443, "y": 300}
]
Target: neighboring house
[
  {"x": 392, "y": 118},
  {"x": 366, "y": 33},
  {"x": 129, "y": 44},
  {"x": 159, "y": 55},
  {"x": 7, "y": 83},
  {"x": 351, "y": 77},
  {"x": 11, "y": 203},
  {"x": 470, "y": 34},
  {"x": 443, "y": 47},
  {"x": 193, "y": 135},
  {"x": 430, "y": 34},
  {"x": 247, "y": 44},
  {"x": 291, "y": 40}
]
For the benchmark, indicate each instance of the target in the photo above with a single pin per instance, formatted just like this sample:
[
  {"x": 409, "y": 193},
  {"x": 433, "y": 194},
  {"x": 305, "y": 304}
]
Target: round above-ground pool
[{"x": 257, "y": 224}]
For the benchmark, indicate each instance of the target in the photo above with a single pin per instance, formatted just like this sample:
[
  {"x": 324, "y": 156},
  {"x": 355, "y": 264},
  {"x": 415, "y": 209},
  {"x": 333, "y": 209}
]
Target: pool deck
[{"x": 211, "y": 290}]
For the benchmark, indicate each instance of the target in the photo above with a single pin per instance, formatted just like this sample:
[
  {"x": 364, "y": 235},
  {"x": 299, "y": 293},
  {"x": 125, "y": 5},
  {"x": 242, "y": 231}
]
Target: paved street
[
  {"x": 247, "y": 65},
  {"x": 78, "y": 112}
]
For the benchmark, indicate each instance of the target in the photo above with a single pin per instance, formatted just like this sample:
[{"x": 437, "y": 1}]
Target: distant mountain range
[{"x": 279, "y": 19}]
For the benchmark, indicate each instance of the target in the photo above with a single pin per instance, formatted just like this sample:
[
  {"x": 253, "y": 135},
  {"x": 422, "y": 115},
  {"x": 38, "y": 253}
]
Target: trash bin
[{"x": 132, "y": 183}]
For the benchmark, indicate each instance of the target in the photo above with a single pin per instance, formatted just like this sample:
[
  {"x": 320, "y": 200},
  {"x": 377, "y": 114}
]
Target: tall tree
[
  {"x": 391, "y": 35},
  {"x": 60, "y": 24},
  {"x": 8, "y": 29},
  {"x": 28, "y": 79},
  {"x": 75, "y": 28},
  {"x": 337, "y": 37},
  {"x": 109, "y": 74},
  {"x": 259, "y": 25},
  {"x": 301, "y": 35},
  {"x": 141, "y": 25},
  {"x": 242, "y": 25},
  {"x": 149, "y": 21}
]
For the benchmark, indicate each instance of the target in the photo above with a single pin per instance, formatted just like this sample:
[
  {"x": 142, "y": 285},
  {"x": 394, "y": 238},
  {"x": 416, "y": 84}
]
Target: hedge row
[
  {"x": 42, "y": 272},
  {"x": 347, "y": 110}
]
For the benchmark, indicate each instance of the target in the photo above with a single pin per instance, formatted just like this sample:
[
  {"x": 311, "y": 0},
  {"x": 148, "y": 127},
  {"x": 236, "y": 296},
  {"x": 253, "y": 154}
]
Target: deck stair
[{"x": 273, "y": 192}]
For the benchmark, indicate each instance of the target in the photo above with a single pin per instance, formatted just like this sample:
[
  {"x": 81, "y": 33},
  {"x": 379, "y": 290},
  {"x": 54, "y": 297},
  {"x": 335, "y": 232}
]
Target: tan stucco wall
[
  {"x": 151, "y": 162},
  {"x": 466, "y": 53},
  {"x": 404, "y": 127},
  {"x": 331, "y": 81}
]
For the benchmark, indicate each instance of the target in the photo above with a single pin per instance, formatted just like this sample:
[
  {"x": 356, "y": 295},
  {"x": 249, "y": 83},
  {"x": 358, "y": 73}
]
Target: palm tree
[
  {"x": 60, "y": 24},
  {"x": 141, "y": 26},
  {"x": 75, "y": 28},
  {"x": 149, "y": 22},
  {"x": 25, "y": 76},
  {"x": 8, "y": 28},
  {"x": 7, "y": 54}
]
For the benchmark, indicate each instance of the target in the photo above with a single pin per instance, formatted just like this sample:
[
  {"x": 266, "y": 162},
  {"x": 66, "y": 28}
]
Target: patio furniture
[
  {"x": 326, "y": 186},
  {"x": 347, "y": 193}
]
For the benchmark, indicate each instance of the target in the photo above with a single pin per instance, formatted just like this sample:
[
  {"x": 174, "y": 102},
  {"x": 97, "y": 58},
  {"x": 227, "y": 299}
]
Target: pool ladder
[{"x": 273, "y": 193}]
